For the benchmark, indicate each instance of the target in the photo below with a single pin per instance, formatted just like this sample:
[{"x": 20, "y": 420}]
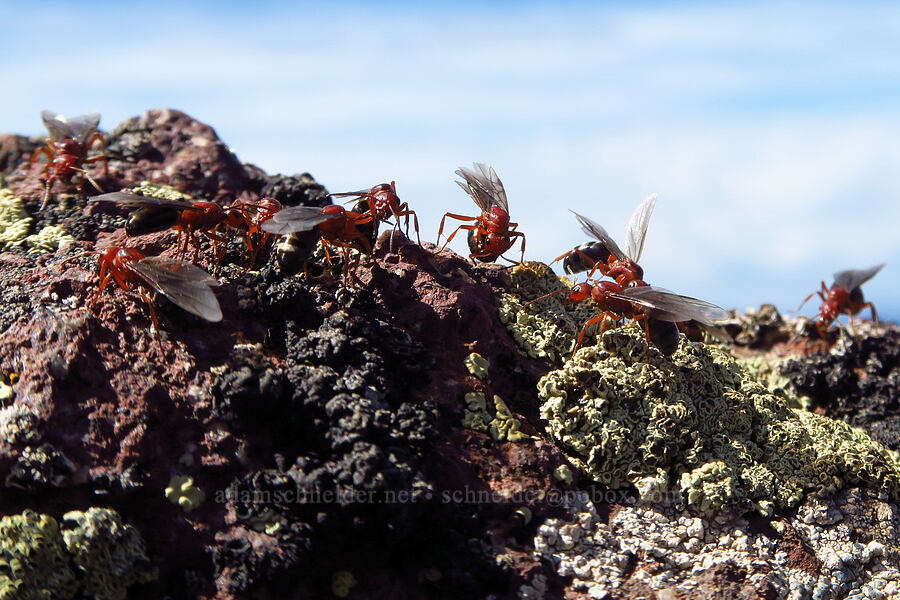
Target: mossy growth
[
  {"x": 15, "y": 223},
  {"x": 93, "y": 556},
  {"x": 108, "y": 553},
  {"x": 548, "y": 328},
  {"x": 156, "y": 190},
  {"x": 182, "y": 491},
  {"x": 627, "y": 417}
]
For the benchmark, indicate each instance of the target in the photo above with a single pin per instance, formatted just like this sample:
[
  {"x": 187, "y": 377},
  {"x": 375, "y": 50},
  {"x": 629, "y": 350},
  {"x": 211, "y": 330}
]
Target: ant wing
[
  {"x": 185, "y": 284},
  {"x": 596, "y": 231},
  {"x": 668, "y": 306},
  {"x": 357, "y": 194},
  {"x": 637, "y": 228},
  {"x": 78, "y": 128},
  {"x": 296, "y": 218},
  {"x": 129, "y": 199},
  {"x": 484, "y": 187},
  {"x": 853, "y": 278}
]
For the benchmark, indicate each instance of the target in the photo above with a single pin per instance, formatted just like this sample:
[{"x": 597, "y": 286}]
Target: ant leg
[
  {"x": 441, "y": 228},
  {"x": 590, "y": 322},
  {"x": 149, "y": 302}
]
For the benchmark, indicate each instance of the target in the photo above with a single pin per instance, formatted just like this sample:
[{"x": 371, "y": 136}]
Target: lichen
[
  {"x": 625, "y": 415},
  {"x": 157, "y": 190},
  {"x": 477, "y": 365},
  {"x": 18, "y": 424},
  {"x": 476, "y": 415},
  {"x": 109, "y": 553},
  {"x": 548, "y": 328},
  {"x": 14, "y": 221},
  {"x": 33, "y": 561},
  {"x": 182, "y": 491},
  {"x": 341, "y": 583},
  {"x": 502, "y": 425},
  {"x": 48, "y": 239},
  {"x": 37, "y": 556}
]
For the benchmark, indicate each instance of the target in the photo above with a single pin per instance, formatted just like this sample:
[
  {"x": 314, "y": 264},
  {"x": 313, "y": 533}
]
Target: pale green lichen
[
  {"x": 502, "y": 425},
  {"x": 48, "y": 239},
  {"x": 157, "y": 190},
  {"x": 697, "y": 418},
  {"x": 108, "y": 553},
  {"x": 341, "y": 583},
  {"x": 182, "y": 491},
  {"x": 476, "y": 415},
  {"x": 33, "y": 562},
  {"x": 477, "y": 365},
  {"x": 14, "y": 221},
  {"x": 548, "y": 328},
  {"x": 93, "y": 556},
  {"x": 564, "y": 474},
  {"x": 770, "y": 374}
]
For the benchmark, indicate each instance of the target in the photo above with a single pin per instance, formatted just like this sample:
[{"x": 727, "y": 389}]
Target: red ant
[
  {"x": 382, "y": 202},
  {"x": 181, "y": 282},
  {"x": 67, "y": 147},
  {"x": 337, "y": 226},
  {"x": 640, "y": 303},
  {"x": 844, "y": 296},
  {"x": 605, "y": 254},
  {"x": 158, "y": 214},
  {"x": 491, "y": 233}
]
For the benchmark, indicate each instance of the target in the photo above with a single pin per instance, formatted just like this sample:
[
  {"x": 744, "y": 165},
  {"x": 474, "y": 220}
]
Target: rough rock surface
[{"x": 385, "y": 439}]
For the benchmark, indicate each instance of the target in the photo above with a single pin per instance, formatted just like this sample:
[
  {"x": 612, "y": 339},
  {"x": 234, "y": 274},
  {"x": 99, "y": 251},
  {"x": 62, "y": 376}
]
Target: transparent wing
[
  {"x": 78, "y": 128},
  {"x": 357, "y": 194},
  {"x": 596, "y": 231},
  {"x": 185, "y": 284},
  {"x": 483, "y": 186},
  {"x": 129, "y": 199},
  {"x": 668, "y": 306},
  {"x": 637, "y": 228},
  {"x": 853, "y": 278},
  {"x": 296, "y": 218}
]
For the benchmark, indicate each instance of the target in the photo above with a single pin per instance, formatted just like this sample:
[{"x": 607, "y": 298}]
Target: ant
[
  {"x": 186, "y": 285},
  {"x": 337, "y": 227},
  {"x": 605, "y": 254},
  {"x": 159, "y": 214},
  {"x": 381, "y": 202},
  {"x": 491, "y": 233},
  {"x": 641, "y": 303},
  {"x": 844, "y": 296},
  {"x": 66, "y": 150}
]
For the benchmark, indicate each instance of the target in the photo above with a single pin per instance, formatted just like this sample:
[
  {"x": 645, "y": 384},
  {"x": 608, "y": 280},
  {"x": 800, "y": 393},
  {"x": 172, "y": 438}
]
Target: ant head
[{"x": 579, "y": 292}]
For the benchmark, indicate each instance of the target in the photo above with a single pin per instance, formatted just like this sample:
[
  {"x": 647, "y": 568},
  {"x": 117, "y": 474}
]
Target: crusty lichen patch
[
  {"x": 14, "y": 221},
  {"x": 502, "y": 425},
  {"x": 698, "y": 420},
  {"x": 548, "y": 328},
  {"x": 48, "y": 239},
  {"x": 157, "y": 190}
]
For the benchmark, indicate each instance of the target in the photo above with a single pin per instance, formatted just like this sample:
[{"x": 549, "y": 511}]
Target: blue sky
[{"x": 770, "y": 131}]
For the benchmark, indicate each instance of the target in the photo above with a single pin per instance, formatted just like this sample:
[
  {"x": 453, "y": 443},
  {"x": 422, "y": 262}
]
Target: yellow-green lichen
[
  {"x": 477, "y": 365},
  {"x": 771, "y": 376},
  {"x": 548, "y": 328},
  {"x": 157, "y": 190},
  {"x": 476, "y": 415},
  {"x": 564, "y": 474},
  {"x": 94, "y": 555},
  {"x": 502, "y": 426},
  {"x": 48, "y": 239},
  {"x": 341, "y": 583},
  {"x": 108, "y": 553},
  {"x": 14, "y": 221},
  {"x": 33, "y": 562},
  {"x": 699, "y": 419},
  {"x": 182, "y": 491}
]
